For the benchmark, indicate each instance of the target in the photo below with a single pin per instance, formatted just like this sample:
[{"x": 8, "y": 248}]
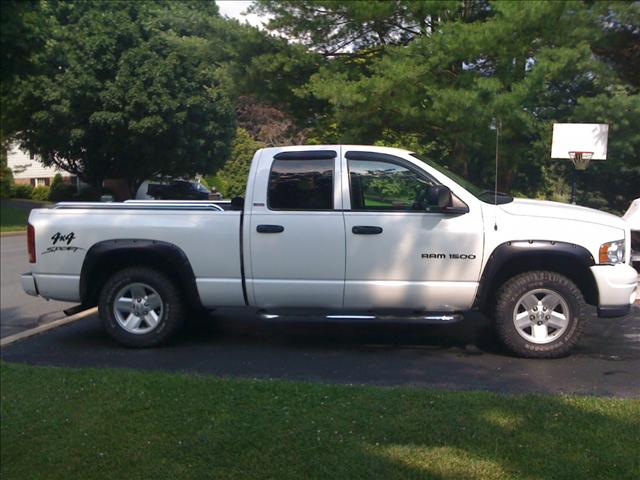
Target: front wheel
[
  {"x": 140, "y": 307},
  {"x": 540, "y": 314}
]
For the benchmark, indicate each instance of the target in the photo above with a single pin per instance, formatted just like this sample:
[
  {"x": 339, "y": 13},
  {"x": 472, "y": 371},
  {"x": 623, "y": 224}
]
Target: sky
[{"x": 234, "y": 9}]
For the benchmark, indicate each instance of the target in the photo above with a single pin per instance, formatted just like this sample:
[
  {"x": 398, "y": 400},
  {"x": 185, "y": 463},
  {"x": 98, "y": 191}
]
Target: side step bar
[
  {"x": 73, "y": 310},
  {"x": 427, "y": 318}
]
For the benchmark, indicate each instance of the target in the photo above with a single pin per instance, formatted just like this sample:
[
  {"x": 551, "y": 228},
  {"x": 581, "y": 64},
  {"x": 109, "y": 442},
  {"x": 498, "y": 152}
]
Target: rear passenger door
[{"x": 296, "y": 231}]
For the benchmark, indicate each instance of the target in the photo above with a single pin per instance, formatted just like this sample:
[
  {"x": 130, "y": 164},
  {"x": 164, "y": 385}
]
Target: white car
[
  {"x": 632, "y": 217},
  {"x": 349, "y": 231}
]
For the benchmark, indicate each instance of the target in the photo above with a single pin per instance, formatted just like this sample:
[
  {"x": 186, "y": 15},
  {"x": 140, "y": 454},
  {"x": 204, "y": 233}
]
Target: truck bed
[{"x": 208, "y": 235}]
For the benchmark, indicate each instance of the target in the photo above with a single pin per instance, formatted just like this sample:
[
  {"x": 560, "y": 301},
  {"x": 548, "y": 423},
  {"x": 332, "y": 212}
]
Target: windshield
[{"x": 487, "y": 196}]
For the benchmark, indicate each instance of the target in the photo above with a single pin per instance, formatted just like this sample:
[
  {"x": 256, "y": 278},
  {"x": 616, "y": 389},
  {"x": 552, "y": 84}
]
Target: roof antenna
[{"x": 496, "y": 124}]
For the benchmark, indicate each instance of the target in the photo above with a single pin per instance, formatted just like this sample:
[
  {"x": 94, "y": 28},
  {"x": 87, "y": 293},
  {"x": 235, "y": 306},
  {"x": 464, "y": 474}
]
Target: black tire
[
  {"x": 172, "y": 310},
  {"x": 515, "y": 289}
]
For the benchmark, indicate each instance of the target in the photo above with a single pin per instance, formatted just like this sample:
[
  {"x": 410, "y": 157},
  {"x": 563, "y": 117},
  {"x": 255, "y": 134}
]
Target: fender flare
[
  {"x": 174, "y": 260},
  {"x": 508, "y": 252}
]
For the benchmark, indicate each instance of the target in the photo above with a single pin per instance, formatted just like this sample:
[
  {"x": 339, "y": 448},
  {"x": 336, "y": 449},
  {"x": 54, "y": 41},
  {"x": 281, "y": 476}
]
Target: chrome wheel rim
[
  {"x": 541, "y": 316},
  {"x": 138, "y": 308}
]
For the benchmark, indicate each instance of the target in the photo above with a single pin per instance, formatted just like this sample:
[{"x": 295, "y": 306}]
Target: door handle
[
  {"x": 270, "y": 229},
  {"x": 366, "y": 230}
]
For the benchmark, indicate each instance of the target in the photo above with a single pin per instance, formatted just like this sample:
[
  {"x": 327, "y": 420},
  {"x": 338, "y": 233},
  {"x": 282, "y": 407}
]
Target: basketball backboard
[{"x": 580, "y": 137}]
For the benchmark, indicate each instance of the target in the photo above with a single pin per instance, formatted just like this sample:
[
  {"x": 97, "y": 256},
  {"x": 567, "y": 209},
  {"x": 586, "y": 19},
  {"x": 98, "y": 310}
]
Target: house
[{"x": 27, "y": 169}]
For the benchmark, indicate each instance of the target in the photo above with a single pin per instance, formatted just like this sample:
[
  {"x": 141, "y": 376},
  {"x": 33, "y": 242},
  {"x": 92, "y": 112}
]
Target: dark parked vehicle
[{"x": 178, "y": 190}]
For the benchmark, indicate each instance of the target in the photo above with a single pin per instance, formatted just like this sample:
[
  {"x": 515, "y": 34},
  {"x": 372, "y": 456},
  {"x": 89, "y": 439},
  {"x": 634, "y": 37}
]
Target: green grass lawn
[
  {"x": 13, "y": 219},
  {"x": 85, "y": 424}
]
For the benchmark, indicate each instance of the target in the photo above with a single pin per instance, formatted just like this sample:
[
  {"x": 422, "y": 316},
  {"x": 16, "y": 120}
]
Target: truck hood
[{"x": 541, "y": 208}]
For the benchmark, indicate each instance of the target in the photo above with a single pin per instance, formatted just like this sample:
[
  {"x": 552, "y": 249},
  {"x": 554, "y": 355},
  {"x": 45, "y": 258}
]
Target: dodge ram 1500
[{"x": 351, "y": 231}]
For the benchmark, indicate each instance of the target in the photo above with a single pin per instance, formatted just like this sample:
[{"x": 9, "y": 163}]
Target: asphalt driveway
[
  {"x": 19, "y": 311},
  {"x": 463, "y": 356}
]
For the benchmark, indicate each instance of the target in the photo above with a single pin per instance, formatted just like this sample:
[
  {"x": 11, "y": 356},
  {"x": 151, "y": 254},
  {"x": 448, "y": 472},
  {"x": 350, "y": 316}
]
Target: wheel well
[
  {"x": 96, "y": 272},
  {"x": 568, "y": 266}
]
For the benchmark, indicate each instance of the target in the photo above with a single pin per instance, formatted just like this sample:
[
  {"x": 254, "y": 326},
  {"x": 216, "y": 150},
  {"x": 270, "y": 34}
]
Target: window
[
  {"x": 380, "y": 185},
  {"x": 301, "y": 185}
]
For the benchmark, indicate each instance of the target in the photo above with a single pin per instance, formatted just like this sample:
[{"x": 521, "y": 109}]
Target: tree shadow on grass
[
  {"x": 114, "y": 424},
  {"x": 332, "y": 432}
]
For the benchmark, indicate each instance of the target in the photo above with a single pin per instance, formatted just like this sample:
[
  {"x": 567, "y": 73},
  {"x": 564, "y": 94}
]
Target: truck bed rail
[{"x": 201, "y": 205}]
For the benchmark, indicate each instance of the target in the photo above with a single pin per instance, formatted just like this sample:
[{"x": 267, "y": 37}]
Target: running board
[
  {"x": 431, "y": 318},
  {"x": 73, "y": 310}
]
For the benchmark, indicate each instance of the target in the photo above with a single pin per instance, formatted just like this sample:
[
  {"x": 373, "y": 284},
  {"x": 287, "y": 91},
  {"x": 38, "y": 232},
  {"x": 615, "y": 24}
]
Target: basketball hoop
[{"x": 580, "y": 159}]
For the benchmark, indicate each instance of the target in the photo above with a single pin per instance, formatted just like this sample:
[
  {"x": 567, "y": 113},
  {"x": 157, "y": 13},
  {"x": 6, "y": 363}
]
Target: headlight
[{"x": 612, "y": 252}]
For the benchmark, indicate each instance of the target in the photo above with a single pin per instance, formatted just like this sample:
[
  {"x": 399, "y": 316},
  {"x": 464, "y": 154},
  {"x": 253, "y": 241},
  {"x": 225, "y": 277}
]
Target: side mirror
[{"x": 438, "y": 196}]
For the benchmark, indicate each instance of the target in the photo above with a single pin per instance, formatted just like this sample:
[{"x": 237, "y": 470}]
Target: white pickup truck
[{"x": 349, "y": 231}]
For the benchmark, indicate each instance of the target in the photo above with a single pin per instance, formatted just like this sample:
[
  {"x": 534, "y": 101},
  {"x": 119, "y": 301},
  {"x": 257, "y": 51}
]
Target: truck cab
[{"x": 362, "y": 222}]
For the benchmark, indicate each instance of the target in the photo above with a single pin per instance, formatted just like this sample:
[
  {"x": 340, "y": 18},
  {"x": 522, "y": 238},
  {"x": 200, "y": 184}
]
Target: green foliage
[
  {"x": 88, "y": 193},
  {"x": 142, "y": 89},
  {"x": 214, "y": 181},
  {"x": 611, "y": 185},
  {"x": 57, "y": 181},
  {"x": 231, "y": 180},
  {"x": 40, "y": 194},
  {"x": 117, "y": 94},
  {"x": 7, "y": 185},
  {"x": 23, "y": 30},
  {"x": 61, "y": 191},
  {"x": 266, "y": 68},
  {"x": 23, "y": 191},
  {"x": 84, "y": 423},
  {"x": 397, "y": 72},
  {"x": 331, "y": 26}
]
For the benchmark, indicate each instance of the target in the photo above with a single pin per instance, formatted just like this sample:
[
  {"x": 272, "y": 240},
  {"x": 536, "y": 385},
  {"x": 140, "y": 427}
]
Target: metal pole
[
  {"x": 495, "y": 188},
  {"x": 573, "y": 188}
]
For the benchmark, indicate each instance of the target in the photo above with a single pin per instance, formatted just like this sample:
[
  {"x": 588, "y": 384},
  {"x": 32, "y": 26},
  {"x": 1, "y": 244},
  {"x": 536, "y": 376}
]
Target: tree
[
  {"x": 267, "y": 124},
  {"x": 443, "y": 72},
  {"x": 23, "y": 31},
  {"x": 357, "y": 28},
  {"x": 59, "y": 191},
  {"x": 231, "y": 180},
  {"x": 7, "y": 184},
  {"x": 271, "y": 70},
  {"x": 618, "y": 39},
  {"x": 117, "y": 94},
  {"x": 259, "y": 125}
]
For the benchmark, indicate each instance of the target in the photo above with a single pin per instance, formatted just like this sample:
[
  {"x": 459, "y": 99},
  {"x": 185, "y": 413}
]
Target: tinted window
[
  {"x": 301, "y": 185},
  {"x": 379, "y": 185}
]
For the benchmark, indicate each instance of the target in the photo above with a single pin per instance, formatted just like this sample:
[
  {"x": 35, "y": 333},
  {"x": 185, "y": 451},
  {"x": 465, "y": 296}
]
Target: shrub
[
  {"x": 22, "y": 191},
  {"x": 60, "y": 191},
  {"x": 90, "y": 194},
  {"x": 40, "y": 193},
  {"x": 64, "y": 192},
  {"x": 231, "y": 180},
  {"x": 7, "y": 185}
]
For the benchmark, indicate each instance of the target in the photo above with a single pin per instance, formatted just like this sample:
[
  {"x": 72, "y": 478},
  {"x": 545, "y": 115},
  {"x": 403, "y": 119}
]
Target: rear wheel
[
  {"x": 140, "y": 307},
  {"x": 540, "y": 314}
]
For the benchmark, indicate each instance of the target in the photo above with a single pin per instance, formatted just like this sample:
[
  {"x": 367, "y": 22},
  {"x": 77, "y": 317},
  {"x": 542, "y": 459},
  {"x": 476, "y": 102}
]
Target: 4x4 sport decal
[{"x": 62, "y": 238}]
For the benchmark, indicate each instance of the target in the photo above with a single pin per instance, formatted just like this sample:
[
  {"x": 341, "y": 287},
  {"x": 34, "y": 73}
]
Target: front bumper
[
  {"x": 29, "y": 284},
  {"x": 617, "y": 289}
]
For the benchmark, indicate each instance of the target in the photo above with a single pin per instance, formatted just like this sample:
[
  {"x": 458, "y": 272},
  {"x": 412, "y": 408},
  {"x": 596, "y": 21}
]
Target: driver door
[{"x": 398, "y": 255}]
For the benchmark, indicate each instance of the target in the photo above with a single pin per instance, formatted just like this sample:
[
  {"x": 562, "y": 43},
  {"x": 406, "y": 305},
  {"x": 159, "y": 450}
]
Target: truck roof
[{"x": 345, "y": 147}]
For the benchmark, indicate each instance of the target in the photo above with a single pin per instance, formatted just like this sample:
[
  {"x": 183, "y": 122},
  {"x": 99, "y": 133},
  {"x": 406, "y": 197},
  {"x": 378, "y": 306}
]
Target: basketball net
[{"x": 580, "y": 159}]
